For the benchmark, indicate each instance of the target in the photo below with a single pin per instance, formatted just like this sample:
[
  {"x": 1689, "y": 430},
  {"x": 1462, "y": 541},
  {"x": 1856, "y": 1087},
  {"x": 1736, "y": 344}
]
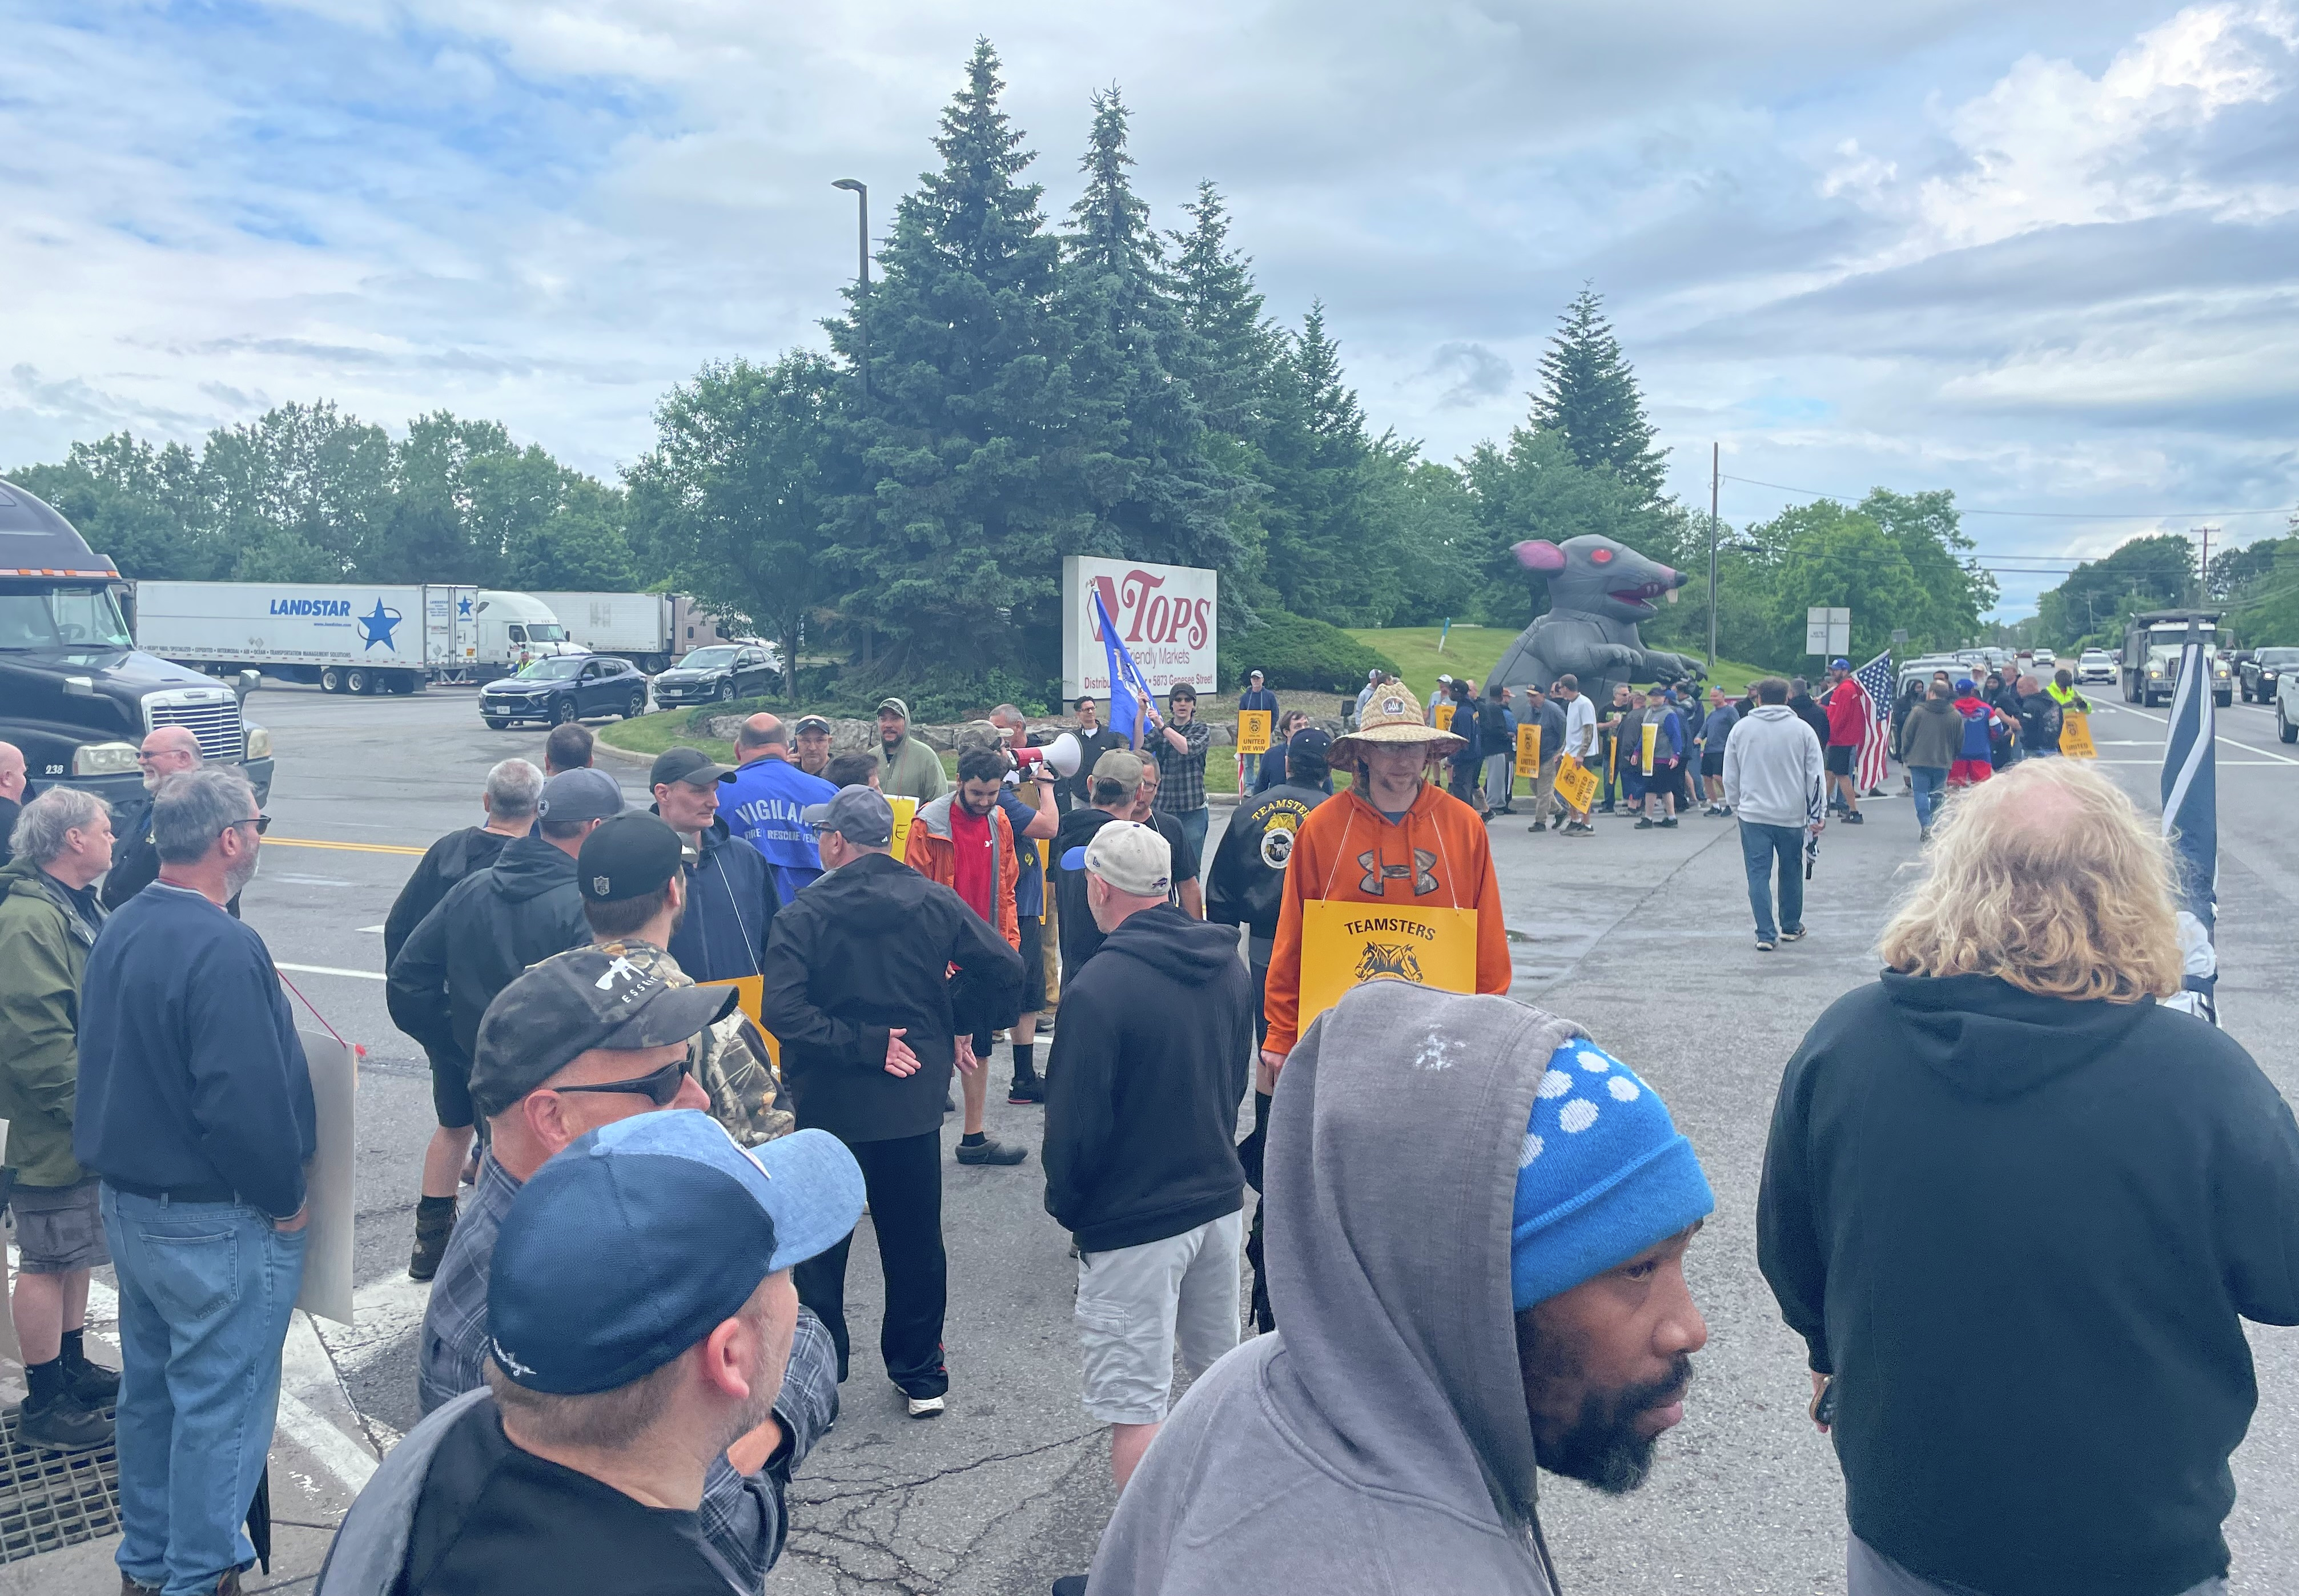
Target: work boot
[
  {"x": 60, "y": 1425},
  {"x": 434, "y": 1223},
  {"x": 988, "y": 1152}
]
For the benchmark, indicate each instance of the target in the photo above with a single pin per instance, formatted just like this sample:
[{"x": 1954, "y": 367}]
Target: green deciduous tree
[
  {"x": 1955, "y": 593},
  {"x": 731, "y": 496},
  {"x": 1822, "y": 554},
  {"x": 2146, "y": 573}
]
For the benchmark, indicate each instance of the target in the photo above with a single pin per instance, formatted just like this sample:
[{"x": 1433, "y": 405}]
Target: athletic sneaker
[
  {"x": 60, "y": 1425},
  {"x": 1763, "y": 946},
  {"x": 1855, "y": 819},
  {"x": 1032, "y": 1090},
  {"x": 1795, "y": 935},
  {"x": 990, "y": 1151},
  {"x": 926, "y": 1406},
  {"x": 1669, "y": 824},
  {"x": 1645, "y": 823}
]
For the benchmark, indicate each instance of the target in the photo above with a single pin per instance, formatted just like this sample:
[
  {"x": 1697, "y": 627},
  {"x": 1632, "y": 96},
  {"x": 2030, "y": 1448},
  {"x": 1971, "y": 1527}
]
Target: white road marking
[
  {"x": 328, "y": 969},
  {"x": 378, "y": 930},
  {"x": 2270, "y": 756}
]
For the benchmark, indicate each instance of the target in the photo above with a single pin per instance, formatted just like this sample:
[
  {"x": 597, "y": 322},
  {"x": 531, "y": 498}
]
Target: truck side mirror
[
  {"x": 248, "y": 681},
  {"x": 79, "y": 687}
]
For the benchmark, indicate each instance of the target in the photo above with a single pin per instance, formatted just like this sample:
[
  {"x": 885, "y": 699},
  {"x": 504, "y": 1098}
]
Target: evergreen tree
[
  {"x": 1589, "y": 398},
  {"x": 959, "y": 497},
  {"x": 1235, "y": 346},
  {"x": 1142, "y": 468},
  {"x": 1321, "y": 556}
]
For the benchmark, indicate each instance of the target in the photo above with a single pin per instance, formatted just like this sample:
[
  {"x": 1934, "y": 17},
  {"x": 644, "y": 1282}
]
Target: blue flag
[
  {"x": 1125, "y": 678},
  {"x": 2192, "y": 825}
]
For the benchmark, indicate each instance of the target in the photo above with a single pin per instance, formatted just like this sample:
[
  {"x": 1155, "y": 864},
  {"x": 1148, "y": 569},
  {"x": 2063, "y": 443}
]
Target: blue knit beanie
[{"x": 1602, "y": 1176}]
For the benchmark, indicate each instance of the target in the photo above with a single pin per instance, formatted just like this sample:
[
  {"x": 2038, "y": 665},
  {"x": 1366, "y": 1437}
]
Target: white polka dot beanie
[{"x": 1603, "y": 1175}]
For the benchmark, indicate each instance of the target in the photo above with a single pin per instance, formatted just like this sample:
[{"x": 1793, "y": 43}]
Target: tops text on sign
[{"x": 1167, "y": 616}]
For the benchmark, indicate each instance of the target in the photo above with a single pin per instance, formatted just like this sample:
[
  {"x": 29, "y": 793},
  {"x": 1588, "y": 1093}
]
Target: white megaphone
[{"x": 1062, "y": 756}]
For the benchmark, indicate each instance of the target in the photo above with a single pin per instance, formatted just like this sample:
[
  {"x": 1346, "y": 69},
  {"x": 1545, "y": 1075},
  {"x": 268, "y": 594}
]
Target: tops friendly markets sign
[{"x": 1167, "y": 617}]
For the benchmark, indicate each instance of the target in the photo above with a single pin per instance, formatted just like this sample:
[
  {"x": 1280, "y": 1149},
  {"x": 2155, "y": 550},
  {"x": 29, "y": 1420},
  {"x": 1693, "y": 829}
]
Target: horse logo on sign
[{"x": 1388, "y": 962}]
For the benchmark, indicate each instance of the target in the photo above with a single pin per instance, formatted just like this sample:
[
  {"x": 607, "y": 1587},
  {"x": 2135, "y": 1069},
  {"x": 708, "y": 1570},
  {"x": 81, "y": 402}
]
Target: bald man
[
  {"x": 762, "y": 799},
  {"x": 135, "y": 863},
  {"x": 11, "y": 793}
]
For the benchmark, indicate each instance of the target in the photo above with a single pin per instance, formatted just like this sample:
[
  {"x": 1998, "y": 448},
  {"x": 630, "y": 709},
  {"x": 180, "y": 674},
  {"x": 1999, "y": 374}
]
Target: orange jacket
[
  {"x": 1440, "y": 847},
  {"x": 932, "y": 854}
]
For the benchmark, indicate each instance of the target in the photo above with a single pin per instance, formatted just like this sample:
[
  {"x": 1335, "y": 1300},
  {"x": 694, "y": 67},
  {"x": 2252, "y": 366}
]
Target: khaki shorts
[
  {"x": 59, "y": 1229},
  {"x": 1135, "y": 1304}
]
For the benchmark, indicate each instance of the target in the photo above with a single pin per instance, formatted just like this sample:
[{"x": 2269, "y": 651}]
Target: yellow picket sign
[
  {"x": 906, "y": 810},
  {"x": 1444, "y": 720},
  {"x": 1348, "y": 944},
  {"x": 1253, "y": 731},
  {"x": 751, "y": 992},
  {"x": 1576, "y": 784},
  {"x": 2075, "y": 735},
  {"x": 1527, "y": 751},
  {"x": 1652, "y": 740}
]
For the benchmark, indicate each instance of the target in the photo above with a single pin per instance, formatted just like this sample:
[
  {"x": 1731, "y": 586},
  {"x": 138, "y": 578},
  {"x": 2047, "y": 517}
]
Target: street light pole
[{"x": 861, "y": 191}]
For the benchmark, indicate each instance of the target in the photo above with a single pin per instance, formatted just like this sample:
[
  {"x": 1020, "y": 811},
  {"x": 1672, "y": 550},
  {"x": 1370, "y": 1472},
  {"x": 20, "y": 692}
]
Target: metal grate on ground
[{"x": 49, "y": 1500}]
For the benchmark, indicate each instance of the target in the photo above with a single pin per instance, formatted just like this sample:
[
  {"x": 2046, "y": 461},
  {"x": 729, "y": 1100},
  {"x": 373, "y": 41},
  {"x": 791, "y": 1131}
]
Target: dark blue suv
[{"x": 569, "y": 687}]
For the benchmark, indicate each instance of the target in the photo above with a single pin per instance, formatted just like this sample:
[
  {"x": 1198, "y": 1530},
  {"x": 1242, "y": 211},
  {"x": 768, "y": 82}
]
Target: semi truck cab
[{"x": 76, "y": 695}]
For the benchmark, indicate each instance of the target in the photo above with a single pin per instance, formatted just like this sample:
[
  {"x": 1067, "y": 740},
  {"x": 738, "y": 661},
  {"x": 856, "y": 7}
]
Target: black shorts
[
  {"x": 1839, "y": 759},
  {"x": 1034, "y": 961},
  {"x": 1711, "y": 764},
  {"x": 450, "y": 1094}
]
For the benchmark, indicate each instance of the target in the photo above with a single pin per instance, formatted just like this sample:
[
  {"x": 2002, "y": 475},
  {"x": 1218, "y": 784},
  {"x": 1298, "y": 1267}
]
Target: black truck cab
[{"x": 77, "y": 696}]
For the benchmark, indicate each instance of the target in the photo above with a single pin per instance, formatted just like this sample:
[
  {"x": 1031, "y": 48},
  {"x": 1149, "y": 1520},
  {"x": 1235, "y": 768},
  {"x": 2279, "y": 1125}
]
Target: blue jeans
[
  {"x": 1193, "y": 822},
  {"x": 1759, "y": 846},
  {"x": 1249, "y": 771},
  {"x": 205, "y": 1292},
  {"x": 1927, "y": 781}
]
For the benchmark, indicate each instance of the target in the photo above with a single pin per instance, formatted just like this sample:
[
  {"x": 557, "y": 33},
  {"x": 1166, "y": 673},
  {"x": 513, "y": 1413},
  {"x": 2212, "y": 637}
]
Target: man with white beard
[{"x": 164, "y": 750}]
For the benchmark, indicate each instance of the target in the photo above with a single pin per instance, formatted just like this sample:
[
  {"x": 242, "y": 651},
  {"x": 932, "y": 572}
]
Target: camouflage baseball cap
[{"x": 566, "y": 1006}]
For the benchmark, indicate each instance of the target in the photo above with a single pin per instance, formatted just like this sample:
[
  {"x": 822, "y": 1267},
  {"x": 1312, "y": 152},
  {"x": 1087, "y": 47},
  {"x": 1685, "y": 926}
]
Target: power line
[{"x": 2066, "y": 515}]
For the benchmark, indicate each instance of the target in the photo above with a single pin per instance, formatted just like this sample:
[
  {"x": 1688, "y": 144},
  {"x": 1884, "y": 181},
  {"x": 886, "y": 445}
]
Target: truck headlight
[
  {"x": 258, "y": 742},
  {"x": 2154, "y": 670},
  {"x": 104, "y": 759}
]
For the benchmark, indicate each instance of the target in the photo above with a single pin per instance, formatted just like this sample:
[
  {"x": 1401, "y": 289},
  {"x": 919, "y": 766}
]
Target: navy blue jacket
[
  {"x": 730, "y": 903},
  {"x": 190, "y": 1072}
]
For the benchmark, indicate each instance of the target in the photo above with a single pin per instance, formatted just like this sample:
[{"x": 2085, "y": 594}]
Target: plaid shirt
[
  {"x": 1182, "y": 776},
  {"x": 743, "y": 1517}
]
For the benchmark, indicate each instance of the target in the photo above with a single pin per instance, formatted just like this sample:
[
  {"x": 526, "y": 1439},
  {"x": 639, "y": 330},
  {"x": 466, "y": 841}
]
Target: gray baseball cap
[
  {"x": 566, "y": 1006},
  {"x": 860, "y": 814},
  {"x": 584, "y": 794}
]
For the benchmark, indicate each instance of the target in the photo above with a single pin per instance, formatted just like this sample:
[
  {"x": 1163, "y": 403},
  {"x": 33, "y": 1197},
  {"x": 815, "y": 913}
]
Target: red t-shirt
[{"x": 973, "y": 876}]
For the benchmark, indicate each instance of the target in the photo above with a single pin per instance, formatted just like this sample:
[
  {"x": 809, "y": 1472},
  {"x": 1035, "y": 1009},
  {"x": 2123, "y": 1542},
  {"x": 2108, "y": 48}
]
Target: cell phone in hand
[{"x": 1823, "y": 1409}]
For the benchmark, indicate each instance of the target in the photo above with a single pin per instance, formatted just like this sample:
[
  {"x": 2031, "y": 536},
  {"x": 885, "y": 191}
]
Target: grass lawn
[{"x": 1474, "y": 651}]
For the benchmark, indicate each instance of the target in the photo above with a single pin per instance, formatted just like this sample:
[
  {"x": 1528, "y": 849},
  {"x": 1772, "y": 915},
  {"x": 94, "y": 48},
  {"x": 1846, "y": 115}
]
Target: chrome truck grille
[{"x": 212, "y": 714}]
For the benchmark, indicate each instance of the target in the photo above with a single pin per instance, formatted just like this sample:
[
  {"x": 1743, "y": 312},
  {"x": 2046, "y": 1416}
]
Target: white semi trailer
[
  {"x": 649, "y": 629},
  {"x": 348, "y": 637}
]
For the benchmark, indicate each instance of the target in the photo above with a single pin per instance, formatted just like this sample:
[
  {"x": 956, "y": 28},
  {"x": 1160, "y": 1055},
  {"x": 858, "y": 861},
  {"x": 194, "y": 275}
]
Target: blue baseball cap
[
  {"x": 1840, "y": 664},
  {"x": 1964, "y": 685},
  {"x": 605, "y": 1270}
]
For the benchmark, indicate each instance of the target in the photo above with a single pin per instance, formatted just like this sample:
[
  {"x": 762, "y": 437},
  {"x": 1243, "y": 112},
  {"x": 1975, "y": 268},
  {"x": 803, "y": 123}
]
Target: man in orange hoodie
[
  {"x": 1391, "y": 839},
  {"x": 963, "y": 840}
]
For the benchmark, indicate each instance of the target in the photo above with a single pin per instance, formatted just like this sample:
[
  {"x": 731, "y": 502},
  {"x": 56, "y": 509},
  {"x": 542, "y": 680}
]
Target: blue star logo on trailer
[
  {"x": 378, "y": 627},
  {"x": 463, "y": 606}
]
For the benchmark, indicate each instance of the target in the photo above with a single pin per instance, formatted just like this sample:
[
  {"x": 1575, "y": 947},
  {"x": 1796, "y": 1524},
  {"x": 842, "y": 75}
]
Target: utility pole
[
  {"x": 861, "y": 193},
  {"x": 1715, "y": 467},
  {"x": 2205, "y": 533}
]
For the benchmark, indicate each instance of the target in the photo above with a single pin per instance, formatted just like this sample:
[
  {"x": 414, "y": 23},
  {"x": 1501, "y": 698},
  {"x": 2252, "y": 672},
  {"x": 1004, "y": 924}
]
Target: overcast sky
[{"x": 2045, "y": 255}]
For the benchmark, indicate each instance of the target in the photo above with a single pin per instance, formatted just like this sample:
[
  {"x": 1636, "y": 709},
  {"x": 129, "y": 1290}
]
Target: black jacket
[
  {"x": 731, "y": 901},
  {"x": 867, "y": 948},
  {"x": 443, "y": 863},
  {"x": 2023, "y": 1233},
  {"x": 1247, "y": 883},
  {"x": 1810, "y": 714},
  {"x": 1074, "y": 792},
  {"x": 1080, "y": 935},
  {"x": 488, "y": 928},
  {"x": 2039, "y": 723},
  {"x": 1144, "y": 1081}
]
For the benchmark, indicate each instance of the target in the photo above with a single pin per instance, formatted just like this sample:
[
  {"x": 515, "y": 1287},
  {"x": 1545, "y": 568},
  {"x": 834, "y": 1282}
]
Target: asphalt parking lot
[{"x": 1643, "y": 937}]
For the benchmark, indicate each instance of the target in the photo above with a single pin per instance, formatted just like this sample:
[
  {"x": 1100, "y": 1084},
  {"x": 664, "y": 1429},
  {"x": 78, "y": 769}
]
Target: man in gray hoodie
[
  {"x": 1517, "y": 1303},
  {"x": 1774, "y": 782}
]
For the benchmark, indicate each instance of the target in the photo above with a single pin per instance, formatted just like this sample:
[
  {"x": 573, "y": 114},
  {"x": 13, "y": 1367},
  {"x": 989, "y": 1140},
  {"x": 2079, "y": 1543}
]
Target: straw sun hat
[{"x": 1392, "y": 715}]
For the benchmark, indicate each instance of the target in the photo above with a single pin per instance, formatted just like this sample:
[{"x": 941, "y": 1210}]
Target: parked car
[
  {"x": 722, "y": 672},
  {"x": 2286, "y": 706},
  {"x": 570, "y": 687},
  {"x": 2096, "y": 665},
  {"x": 2263, "y": 669}
]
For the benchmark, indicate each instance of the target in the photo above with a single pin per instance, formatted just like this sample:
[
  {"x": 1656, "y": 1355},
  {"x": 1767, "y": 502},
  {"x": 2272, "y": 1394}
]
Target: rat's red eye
[{"x": 1602, "y": 557}]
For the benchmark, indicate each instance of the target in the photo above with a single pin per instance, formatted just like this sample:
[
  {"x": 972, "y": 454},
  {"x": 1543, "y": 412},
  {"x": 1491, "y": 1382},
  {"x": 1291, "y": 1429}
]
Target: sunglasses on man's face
[
  {"x": 263, "y": 823},
  {"x": 660, "y": 1088}
]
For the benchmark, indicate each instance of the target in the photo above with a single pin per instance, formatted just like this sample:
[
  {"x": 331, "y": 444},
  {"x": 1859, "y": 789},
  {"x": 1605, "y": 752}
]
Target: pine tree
[
  {"x": 1322, "y": 556},
  {"x": 1234, "y": 346},
  {"x": 1144, "y": 469},
  {"x": 956, "y": 506},
  {"x": 1589, "y": 397}
]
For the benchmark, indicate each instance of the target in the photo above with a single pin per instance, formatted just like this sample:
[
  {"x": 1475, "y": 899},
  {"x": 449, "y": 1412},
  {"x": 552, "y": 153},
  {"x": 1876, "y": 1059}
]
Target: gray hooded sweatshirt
[{"x": 1377, "y": 1442}]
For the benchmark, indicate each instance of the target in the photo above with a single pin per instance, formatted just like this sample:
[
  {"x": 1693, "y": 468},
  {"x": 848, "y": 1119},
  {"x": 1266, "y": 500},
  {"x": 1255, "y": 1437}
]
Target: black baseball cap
[
  {"x": 566, "y": 1006},
  {"x": 1309, "y": 743},
  {"x": 627, "y": 856},
  {"x": 689, "y": 765}
]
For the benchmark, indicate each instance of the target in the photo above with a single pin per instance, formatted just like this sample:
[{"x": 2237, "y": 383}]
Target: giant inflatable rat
[{"x": 1599, "y": 590}]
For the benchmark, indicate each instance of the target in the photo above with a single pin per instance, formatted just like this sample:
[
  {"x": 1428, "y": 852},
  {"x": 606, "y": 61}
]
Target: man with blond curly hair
[{"x": 2019, "y": 1210}]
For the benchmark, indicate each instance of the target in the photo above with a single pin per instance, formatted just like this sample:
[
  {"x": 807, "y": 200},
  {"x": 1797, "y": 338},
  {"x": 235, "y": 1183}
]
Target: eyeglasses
[
  {"x": 263, "y": 823},
  {"x": 660, "y": 1088}
]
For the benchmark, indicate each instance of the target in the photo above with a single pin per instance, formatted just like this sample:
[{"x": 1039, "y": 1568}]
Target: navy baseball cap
[
  {"x": 560, "y": 1321},
  {"x": 1964, "y": 685},
  {"x": 1840, "y": 664},
  {"x": 1311, "y": 744}
]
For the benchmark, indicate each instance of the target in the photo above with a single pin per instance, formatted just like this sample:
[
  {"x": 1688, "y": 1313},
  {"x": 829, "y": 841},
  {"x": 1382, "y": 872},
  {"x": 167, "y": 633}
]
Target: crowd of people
[{"x": 760, "y": 997}]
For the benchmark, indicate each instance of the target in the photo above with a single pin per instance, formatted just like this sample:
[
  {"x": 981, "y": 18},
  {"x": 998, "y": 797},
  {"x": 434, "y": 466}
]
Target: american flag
[{"x": 1875, "y": 679}]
